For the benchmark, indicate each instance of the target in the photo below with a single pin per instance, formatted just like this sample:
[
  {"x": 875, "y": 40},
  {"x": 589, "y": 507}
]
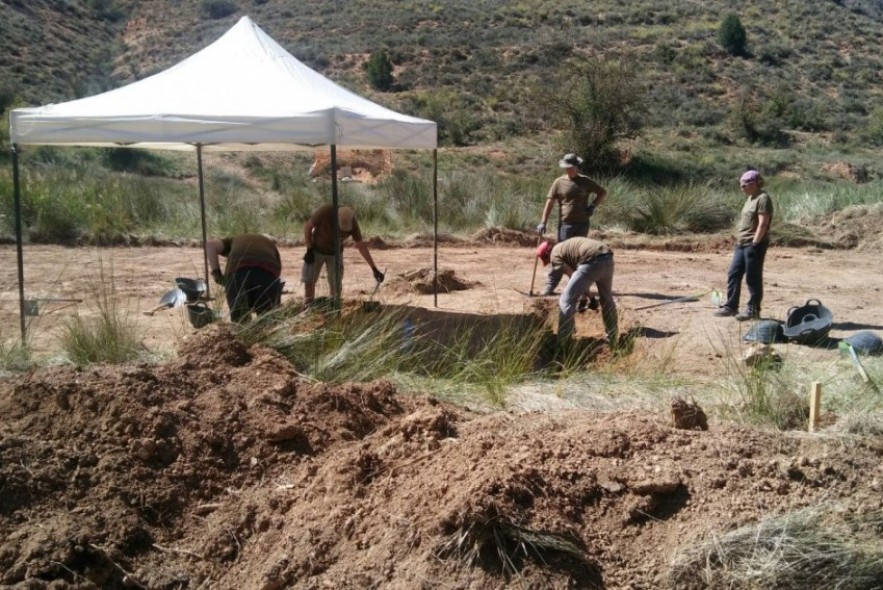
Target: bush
[
  {"x": 379, "y": 68},
  {"x": 732, "y": 36},
  {"x": 218, "y": 8},
  {"x": 597, "y": 103}
]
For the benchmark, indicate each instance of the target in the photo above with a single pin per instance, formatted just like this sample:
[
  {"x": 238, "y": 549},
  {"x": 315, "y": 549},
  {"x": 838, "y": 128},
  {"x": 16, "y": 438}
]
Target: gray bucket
[
  {"x": 766, "y": 332},
  {"x": 809, "y": 324},
  {"x": 199, "y": 314},
  {"x": 194, "y": 289},
  {"x": 865, "y": 342}
]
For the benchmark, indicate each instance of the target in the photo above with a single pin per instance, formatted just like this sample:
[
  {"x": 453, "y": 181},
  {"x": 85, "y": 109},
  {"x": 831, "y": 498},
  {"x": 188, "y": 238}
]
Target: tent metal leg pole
[
  {"x": 16, "y": 189},
  {"x": 435, "y": 226},
  {"x": 338, "y": 260},
  {"x": 208, "y": 291}
]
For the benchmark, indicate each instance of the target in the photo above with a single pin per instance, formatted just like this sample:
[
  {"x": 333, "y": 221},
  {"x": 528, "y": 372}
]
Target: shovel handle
[{"x": 157, "y": 308}]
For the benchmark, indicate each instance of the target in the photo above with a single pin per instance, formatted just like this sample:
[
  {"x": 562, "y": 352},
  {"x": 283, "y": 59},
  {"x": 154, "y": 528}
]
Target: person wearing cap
[
  {"x": 752, "y": 241},
  {"x": 251, "y": 275},
  {"x": 573, "y": 193},
  {"x": 319, "y": 240},
  {"x": 586, "y": 262}
]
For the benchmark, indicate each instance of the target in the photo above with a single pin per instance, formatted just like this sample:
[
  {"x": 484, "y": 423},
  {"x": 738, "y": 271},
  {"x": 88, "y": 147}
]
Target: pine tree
[
  {"x": 731, "y": 35},
  {"x": 379, "y": 69}
]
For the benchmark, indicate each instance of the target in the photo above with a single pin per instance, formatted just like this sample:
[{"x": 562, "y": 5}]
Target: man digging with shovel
[{"x": 319, "y": 239}]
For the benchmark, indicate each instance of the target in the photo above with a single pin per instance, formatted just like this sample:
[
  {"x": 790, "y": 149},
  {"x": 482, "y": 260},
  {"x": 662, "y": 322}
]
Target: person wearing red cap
[
  {"x": 319, "y": 239},
  {"x": 572, "y": 192},
  {"x": 586, "y": 262},
  {"x": 752, "y": 241}
]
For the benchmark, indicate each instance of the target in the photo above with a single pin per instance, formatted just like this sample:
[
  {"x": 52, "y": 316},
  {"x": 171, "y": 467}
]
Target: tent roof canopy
[{"x": 242, "y": 92}]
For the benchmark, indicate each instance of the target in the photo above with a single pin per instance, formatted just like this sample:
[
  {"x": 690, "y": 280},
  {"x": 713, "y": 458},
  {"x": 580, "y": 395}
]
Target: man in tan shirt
[
  {"x": 585, "y": 261},
  {"x": 319, "y": 239}
]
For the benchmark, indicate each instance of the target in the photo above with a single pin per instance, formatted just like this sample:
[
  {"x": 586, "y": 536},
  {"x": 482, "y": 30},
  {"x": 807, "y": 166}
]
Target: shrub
[
  {"x": 379, "y": 68},
  {"x": 732, "y": 36},
  {"x": 218, "y": 8},
  {"x": 597, "y": 102}
]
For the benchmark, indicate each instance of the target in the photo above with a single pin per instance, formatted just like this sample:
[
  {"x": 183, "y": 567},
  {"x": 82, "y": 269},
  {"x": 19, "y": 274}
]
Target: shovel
[
  {"x": 678, "y": 300},
  {"x": 32, "y": 306},
  {"x": 848, "y": 349},
  {"x": 371, "y": 305},
  {"x": 170, "y": 299}
]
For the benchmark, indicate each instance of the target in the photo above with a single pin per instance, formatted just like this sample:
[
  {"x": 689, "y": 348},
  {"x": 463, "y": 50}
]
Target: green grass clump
[
  {"x": 110, "y": 335},
  {"x": 480, "y": 356},
  {"x": 15, "y": 356}
]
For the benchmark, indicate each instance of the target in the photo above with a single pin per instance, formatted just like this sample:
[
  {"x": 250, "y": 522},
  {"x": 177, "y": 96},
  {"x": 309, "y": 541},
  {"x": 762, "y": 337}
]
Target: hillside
[{"x": 476, "y": 65}]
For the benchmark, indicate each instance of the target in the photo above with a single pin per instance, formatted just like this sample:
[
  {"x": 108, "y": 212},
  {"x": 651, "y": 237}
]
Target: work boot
[
  {"x": 748, "y": 314},
  {"x": 547, "y": 292},
  {"x": 725, "y": 312}
]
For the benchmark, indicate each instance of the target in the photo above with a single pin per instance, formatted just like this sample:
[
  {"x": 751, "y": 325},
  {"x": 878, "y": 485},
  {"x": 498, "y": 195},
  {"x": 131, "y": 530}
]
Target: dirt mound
[
  {"x": 225, "y": 469},
  {"x": 361, "y": 165},
  {"x": 421, "y": 281},
  {"x": 859, "y": 226},
  {"x": 501, "y": 235},
  {"x": 847, "y": 171}
]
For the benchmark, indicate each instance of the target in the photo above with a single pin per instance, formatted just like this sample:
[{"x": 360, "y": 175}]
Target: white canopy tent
[{"x": 242, "y": 92}]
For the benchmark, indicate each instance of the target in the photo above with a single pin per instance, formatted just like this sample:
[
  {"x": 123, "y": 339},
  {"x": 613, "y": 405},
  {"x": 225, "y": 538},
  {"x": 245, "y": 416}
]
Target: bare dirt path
[{"x": 847, "y": 282}]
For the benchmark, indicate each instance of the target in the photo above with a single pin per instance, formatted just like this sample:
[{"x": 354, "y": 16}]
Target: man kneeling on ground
[{"x": 585, "y": 261}]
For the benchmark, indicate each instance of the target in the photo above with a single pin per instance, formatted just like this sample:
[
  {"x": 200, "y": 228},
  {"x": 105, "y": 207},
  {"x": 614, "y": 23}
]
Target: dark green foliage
[
  {"x": 110, "y": 10},
  {"x": 218, "y": 8},
  {"x": 455, "y": 114},
  {"x": 379, "y": 68},
  {"x": 143, "y": 162},
  {"x": 598, "y": 102},
  {"x": 7, "y": 98},
  {"x": 732, "y": 36},
  {"x": 757, "y": 121}
]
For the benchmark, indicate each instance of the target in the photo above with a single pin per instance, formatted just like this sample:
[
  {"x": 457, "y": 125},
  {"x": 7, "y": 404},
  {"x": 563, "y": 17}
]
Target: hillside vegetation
[
  {"x": 476, "y": 65},
  {"x": 512, "y": 85}
]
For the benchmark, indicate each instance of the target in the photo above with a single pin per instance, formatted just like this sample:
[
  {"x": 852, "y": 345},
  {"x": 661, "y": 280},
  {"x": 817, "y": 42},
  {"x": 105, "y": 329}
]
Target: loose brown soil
[{"x": 223, "y": 468}]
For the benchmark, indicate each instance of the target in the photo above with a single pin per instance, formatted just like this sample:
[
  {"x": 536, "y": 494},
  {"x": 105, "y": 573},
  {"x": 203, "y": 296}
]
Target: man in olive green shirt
[
  {"x": 585, "y": 261},
  {"x": 752, "y": 241},
  {"x": 572, "y": 191}
]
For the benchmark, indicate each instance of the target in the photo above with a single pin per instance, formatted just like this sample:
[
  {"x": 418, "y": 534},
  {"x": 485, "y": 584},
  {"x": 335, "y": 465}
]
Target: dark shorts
[{"x": 252, "y": 290}]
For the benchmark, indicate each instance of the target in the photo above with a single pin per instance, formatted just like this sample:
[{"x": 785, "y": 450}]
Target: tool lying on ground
[
  {"x": 32, "y": 306},
  {"x": 678, "y": 300},
  {"x": 172, "y": 298},
  {"x": 849, "y": 350}
]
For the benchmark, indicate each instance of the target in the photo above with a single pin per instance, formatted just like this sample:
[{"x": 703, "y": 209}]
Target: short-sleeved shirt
[
  {"x": 251, "y": 251},
  {"x": 749, "y": 219},
  {"x": 576, "y": 251},
  {"x": 573, "y": 196},
  {"x": 322, "y": 220}
]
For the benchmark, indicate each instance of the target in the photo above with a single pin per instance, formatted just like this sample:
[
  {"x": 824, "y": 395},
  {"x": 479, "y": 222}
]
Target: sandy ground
[
  {"x": 224, "y": 468},
  {"x": 848, "y": 282}
]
